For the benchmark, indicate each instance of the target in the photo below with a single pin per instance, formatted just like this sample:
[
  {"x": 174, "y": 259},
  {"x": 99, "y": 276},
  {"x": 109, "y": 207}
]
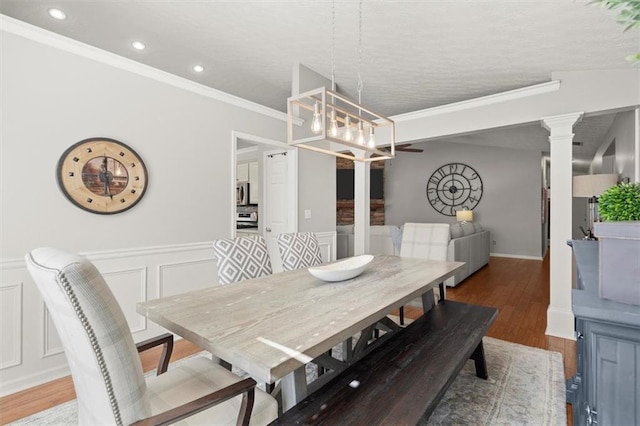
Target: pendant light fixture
[{"x": 353, "y": 132}]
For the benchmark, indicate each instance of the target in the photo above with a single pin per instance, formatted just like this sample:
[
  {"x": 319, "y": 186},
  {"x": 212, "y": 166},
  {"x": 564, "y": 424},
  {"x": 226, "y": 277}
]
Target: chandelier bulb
[
  {"x": 334, "y": 131},
  {"x": 361, "y": 140},
  {"x": 348, "y": 131},
  {"x": 316, "y": 124},
  {"x": 372, "y": 138}
]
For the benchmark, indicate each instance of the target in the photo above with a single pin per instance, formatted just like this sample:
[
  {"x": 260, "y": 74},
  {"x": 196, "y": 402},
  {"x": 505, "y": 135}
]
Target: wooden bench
[{"x": 402, "y": 381}]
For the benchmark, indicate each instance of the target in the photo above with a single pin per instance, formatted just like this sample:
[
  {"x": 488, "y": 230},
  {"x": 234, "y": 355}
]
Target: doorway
[{"x": 278, "y": 201}]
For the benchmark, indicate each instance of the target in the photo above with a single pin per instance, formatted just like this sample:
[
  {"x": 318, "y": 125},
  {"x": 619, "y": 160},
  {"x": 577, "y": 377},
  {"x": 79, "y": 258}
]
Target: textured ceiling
[{"x": 415, "y": 54}]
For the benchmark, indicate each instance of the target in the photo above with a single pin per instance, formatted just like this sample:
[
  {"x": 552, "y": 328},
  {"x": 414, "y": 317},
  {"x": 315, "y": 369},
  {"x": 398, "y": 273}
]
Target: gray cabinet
[{"x": 606, "y": 388}]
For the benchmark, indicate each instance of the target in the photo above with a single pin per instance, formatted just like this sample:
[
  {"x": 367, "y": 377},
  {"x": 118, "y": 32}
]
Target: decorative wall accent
[
  {"x": 102, "y": 175},
  {"x": 454, "y": 186}
]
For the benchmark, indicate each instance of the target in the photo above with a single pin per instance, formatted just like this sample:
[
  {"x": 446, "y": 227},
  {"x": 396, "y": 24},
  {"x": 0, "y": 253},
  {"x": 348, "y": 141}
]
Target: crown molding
[
  {"x": 40, "y": 35},
  {"x": 510, "y": 95}
]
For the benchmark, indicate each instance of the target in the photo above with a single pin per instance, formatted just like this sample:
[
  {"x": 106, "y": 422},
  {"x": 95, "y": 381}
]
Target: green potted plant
[{"x": 619, "y": 243}]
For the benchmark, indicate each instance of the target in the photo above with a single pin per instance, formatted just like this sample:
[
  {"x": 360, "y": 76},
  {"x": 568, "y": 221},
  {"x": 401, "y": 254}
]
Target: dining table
[{"x": 272, "y": 326}]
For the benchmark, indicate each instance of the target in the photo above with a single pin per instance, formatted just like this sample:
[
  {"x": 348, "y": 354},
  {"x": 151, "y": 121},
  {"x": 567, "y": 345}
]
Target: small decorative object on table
[
  {"x": 343, "y": 269},
  {"x": 619, "y": 248}
]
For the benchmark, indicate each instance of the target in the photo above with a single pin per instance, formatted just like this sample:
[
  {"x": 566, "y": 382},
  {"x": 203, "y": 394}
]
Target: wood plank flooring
[{"x": 518, "y": 288}]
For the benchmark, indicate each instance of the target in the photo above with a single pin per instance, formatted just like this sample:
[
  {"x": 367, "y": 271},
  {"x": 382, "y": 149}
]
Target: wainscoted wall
[{"x": 32, "y": 352}]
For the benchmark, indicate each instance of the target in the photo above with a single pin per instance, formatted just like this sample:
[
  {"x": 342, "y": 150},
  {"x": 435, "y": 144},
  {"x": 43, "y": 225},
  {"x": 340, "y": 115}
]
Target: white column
[
  {"x": 560, "y": 320},
  {"x": 361, "y": 208}
]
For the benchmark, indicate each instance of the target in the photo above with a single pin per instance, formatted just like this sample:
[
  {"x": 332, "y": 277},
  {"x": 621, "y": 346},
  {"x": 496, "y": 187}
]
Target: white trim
[
  {"x": 247, "y": 150},
  {"x": 560, "y": 323},
  {"x": 47, "y": 350},
  {"x": 515, "y": 256},
  {"x": 510, "y": 95},
  {"x": 40, "y": 35},
  {"x": 328, "y": 238},
  {"x": 17, "y": 263},
  {"x": 292, "y": 171},
  {"x": 18, "y": 331},
  {"x": 31, "y": 380}
]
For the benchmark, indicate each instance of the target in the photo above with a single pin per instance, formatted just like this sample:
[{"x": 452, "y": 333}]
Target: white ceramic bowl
[{"x": 343, "y": 269}]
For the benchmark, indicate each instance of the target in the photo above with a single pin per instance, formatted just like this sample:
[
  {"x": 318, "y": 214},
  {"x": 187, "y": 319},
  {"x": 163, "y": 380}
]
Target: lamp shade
[
  {"x": 593, "y": 185},
  {"x": 464, "y": 215}
]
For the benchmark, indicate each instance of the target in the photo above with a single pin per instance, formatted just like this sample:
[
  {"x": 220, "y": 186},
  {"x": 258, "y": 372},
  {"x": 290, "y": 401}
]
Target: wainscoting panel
[
  {"x": 129, "y": 286},
  {"x": 32, "y": 354},
  {"x": 52, "y": 345},
  {"x": 327, "y": 241},
  {"x": 181, "y": 277},
  {"x": 11, "y": 327}
]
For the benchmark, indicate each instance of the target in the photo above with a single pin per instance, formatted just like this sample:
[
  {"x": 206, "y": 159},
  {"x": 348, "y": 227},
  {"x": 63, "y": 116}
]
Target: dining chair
[
  {"x": 106, "y": 368},
  {"x": 425, "y": 241},
  {"x": 299, "y": 250},
  {"x": 242, "y": 258}
]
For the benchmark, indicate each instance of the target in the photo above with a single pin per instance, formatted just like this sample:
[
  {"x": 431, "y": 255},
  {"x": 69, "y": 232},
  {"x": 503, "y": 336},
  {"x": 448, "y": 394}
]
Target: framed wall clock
[
  {"x": 454, "y": 186},
  {"x": 102, "y": 175}
]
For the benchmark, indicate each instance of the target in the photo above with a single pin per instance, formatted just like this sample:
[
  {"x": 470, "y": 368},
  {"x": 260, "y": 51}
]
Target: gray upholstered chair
[
  {"x": 426, "y": 241},
  {"x": 299, "y": 250},
  {"x": 241, "y": 258},
  {"x": 105, "y": 366}
]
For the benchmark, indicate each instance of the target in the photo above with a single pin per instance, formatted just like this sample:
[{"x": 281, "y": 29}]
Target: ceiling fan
[{"x": 405, "y": 147}]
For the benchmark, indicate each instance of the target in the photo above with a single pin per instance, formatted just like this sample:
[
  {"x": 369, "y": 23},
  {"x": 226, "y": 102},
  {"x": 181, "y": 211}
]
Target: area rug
[{"x": 525, "y": 387}]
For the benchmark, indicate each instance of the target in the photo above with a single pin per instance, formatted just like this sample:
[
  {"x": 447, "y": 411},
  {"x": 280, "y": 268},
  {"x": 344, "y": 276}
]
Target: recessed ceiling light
[
  {"x": 57, "y": 14},
  {"x": 138, "y": 45},
  {"x": 198, "y": 68}
]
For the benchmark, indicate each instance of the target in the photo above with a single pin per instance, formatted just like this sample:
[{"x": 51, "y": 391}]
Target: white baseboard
[
  {"x": 32, "y": 380},
  {"x": 516, "y": 256},
  {"x": 560, "y": 323}
]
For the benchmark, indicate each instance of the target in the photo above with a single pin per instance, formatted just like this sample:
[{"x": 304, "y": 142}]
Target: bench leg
[{"x": 478, "y": 358}]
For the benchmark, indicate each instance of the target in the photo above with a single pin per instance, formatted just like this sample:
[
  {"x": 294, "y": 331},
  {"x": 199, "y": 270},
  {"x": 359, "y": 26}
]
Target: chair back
[
  {"x": 299, "y": 250},
  {"x": 242, "y": 258},
  {"x": 104, "y": 363},
  {"x": 425, "y": 240}
]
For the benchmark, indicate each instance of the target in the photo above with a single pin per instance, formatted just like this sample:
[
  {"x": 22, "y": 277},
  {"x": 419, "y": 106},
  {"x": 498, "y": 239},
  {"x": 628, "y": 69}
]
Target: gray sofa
[{"x": 469, "y": 243}]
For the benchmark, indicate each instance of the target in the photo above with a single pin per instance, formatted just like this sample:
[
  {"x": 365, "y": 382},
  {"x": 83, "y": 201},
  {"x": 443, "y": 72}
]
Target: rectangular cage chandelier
[{"x": 334, "y": 124}]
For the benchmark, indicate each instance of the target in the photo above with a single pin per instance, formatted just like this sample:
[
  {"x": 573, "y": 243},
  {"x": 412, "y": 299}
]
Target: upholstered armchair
[{"x": 105, "y": 366}]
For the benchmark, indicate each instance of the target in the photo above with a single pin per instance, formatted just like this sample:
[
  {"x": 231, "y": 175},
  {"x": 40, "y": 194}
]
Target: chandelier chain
[
  {"x": 360, "y": 85},
  {"x": 333, "y": 45}
]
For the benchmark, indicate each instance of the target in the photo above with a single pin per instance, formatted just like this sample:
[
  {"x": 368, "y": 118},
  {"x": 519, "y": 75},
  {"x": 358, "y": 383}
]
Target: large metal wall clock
[
  {"x": 454, "y": 186},
  {"x": 102, "y": 176}
]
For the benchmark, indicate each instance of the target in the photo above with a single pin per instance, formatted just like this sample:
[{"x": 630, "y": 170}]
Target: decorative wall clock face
[
  {"x": 454, "y": 186},
  {"x": 102, "y": 176}
]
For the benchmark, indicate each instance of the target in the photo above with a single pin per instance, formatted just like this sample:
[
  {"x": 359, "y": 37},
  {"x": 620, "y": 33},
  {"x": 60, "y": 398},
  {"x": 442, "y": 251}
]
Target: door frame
[{"x": 267, "y": 143}]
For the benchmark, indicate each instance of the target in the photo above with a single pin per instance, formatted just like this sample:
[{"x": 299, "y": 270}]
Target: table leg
[
  {"x": 294, "y": 388},
  {"x": 427, "y": 301}
]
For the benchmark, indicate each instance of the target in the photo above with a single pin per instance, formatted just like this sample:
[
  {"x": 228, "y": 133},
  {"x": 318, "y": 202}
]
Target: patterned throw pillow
[
  {"x": 299, "y": 250},
  {"x": 242, "y": 258}
]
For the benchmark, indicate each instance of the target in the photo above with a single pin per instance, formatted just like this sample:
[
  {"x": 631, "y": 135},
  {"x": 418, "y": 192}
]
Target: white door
[{"x": 278, "y": 207}]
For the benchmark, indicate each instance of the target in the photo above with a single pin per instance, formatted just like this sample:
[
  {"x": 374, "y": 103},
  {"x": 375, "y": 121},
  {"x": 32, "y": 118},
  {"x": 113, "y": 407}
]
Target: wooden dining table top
[{"x": 272, "y": 325}]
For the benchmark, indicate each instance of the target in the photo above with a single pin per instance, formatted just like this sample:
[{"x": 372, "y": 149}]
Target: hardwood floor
[{"x": 518, "y": 288}]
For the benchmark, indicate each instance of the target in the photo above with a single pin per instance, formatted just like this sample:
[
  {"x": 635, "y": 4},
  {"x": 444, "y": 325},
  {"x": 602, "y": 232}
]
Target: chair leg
[{"x": 401, "y": 315}]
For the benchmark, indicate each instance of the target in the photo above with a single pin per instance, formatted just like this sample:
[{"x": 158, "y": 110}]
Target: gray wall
[
  {"x": 52, "y": 99},
  {"x": 511, "y": 202},
  {"x": 316, "y": 171},
  {"x": 622, "y": 135}
]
